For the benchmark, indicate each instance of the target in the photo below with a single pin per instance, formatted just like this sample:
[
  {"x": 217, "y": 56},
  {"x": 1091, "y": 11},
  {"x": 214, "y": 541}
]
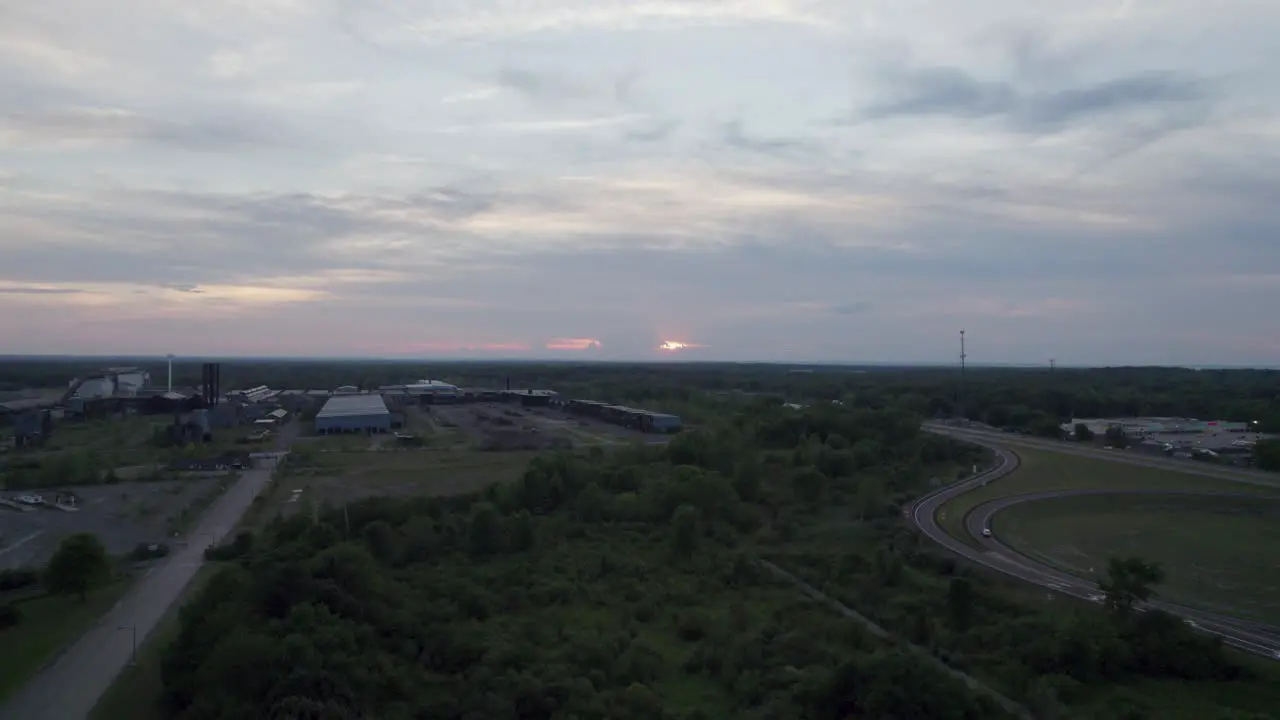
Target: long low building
[{"x": 354, "y": 413}]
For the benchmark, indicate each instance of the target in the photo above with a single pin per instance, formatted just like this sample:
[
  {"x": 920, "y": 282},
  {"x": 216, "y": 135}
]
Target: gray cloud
[
  {"x": 655, "y": 131},
  {"x": 105, "y": 124},
  {"x": 953, "y": 92},
  {"x": 734, "y": 135},
  {"x": 853, "y": 308},
  {"x": 39, "y": 291},
  {"x": 542, "y": 87},
  {"x": 1063, "y": 188}
]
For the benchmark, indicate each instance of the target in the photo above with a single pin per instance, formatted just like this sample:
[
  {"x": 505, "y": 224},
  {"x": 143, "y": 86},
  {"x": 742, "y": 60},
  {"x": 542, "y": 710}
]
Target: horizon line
[{"x": 620, "y": 361}]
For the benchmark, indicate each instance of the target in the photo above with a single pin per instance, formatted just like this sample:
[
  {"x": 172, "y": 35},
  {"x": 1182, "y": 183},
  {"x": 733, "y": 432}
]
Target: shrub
[
  {"x": 18, "y": 578},
  {"x": 10, "y": 615}
]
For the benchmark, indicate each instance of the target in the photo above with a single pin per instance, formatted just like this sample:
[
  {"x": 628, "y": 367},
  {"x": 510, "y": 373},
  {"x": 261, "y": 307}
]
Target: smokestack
[
  {"x": 170, "y": 372},
  {"x": 508, "y": 382}
]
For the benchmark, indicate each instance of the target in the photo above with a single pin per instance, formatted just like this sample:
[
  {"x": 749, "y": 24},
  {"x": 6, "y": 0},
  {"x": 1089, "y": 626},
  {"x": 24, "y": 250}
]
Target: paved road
[
  {"x": 70, "y": 687},
  {"x": 1250, "y": 636}
]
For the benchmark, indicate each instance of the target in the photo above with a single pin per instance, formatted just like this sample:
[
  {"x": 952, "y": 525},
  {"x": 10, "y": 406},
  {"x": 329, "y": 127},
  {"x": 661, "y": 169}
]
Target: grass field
[
  {"x": 1218, "y": 553},
  {"x": 1044, "y": 470},
  {"x": 48, "y": 624}
]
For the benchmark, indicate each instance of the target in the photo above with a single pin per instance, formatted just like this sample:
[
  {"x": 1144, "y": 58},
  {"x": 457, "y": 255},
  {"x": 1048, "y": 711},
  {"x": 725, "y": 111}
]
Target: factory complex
[{"x": 199, "y": 412}]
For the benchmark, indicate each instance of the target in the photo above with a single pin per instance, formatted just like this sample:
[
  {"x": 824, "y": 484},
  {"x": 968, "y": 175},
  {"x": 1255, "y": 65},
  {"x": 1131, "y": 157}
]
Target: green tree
[
  {"x": 1083, "y": 433},
  {"x": 523, "y": 535},
  {"x": 809, "y": 485},
  {"x": 381, "y": 540},
  {"x": 80, "y": 565},
  {"x": 590, "y": 504},
  {"x": 960, "y": 603},
  {"x": 1266, "y": 455},
  {"x": 1116, "y": 437},
  {"x": 484, "y": 529},
  {"x": 747, "y": 479},
  {"x": 1130, "y": 580},
  {"x": 684, "y": 531},
  {"x": 871, "y": 498}
]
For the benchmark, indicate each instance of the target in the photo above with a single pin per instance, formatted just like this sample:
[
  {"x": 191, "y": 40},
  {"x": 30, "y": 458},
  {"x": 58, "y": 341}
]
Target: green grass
[
  {"x": 1219, "y": 554},
  {"x": 49, "y": 624},
  {"x": 136, "y": 692},
  {"x": 1043, "y": 470}
]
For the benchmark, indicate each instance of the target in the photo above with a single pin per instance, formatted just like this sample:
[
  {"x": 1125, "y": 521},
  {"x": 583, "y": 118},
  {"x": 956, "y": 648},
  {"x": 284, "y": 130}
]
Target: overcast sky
[{"x": 825, "y": 180}]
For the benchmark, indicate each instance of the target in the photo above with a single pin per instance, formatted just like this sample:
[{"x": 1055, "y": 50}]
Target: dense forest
[
  {"x": 637, "y": 583},
  {"x": 1034, "y": 400}
]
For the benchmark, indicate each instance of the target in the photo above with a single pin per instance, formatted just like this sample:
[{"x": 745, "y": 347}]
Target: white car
[
  {"x": 986, "y": 532},
  {"x": 29, "y": 499}
]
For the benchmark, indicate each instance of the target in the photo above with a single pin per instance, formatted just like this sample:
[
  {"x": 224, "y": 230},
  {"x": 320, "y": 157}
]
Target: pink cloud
[
  {"x": 573, "y": 344},
  {"x": 451, "y": 347}
]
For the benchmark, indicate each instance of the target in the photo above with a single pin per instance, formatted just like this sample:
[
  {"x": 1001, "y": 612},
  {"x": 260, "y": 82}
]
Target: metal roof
[{"x": 345, "y": 405}]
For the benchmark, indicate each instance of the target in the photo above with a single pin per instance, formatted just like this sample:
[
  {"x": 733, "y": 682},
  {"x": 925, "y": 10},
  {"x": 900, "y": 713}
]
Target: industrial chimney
[{"x": 170, "y": 372}]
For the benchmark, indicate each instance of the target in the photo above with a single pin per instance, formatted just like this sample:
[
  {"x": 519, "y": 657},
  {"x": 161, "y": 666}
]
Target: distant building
[
  {"x": 350, "y": 413},
  {"x": 107, "y": 383},
  {"x": 530, "y": 398}
]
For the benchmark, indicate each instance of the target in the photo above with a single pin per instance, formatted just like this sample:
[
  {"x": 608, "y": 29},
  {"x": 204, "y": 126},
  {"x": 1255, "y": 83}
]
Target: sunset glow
[{"x": 675, "y": 346}]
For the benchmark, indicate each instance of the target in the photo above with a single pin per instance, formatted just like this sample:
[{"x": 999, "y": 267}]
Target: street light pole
[{"x": 133, "y": 660}]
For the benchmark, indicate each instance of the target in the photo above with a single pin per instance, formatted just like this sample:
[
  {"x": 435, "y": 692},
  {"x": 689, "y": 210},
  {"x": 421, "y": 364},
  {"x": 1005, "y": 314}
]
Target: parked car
[{"x": 29, "y": 500}]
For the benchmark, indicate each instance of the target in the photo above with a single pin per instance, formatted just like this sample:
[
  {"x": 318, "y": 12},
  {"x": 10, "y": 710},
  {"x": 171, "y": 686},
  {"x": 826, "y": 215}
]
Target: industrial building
[
  {"x": 110, "y": 382},
  {"x": 529, "y": 398},
  {"x": 635, "y": 418},
  {"x": 424, "y": 392},
  {"x": 354, "y": 413}
]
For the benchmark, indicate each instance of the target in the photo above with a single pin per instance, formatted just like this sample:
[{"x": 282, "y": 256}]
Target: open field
[
  {"x": 83, "y": 453},
  {"x": 1219, "y": 554},
  {"x": 48, "y": 624},
  {"x": 121, "y": 515},
  {"x": 499, "y": 424},
  {"x": 319, "y": 475},
  {"x": 1043, "y": 470}
]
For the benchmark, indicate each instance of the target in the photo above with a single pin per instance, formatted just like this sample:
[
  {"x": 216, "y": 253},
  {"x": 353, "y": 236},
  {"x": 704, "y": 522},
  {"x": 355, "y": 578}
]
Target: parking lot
[{"x": 121, "y": 515}]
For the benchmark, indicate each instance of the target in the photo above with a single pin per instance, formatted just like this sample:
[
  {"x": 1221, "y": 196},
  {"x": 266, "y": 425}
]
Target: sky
[{"x": 775, "y": 180}]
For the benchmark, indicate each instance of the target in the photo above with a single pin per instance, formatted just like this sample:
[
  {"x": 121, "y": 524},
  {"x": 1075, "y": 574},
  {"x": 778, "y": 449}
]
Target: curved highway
[{"x": 1257, "y": 638}]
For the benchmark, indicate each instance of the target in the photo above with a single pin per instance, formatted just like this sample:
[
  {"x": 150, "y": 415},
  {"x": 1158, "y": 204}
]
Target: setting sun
[{"x": 675, "y": 346}]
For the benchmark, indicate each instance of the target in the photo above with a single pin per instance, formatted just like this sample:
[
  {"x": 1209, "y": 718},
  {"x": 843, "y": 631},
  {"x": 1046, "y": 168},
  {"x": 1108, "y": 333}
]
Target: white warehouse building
[
  {"x": 354, "y": 413},
  {"x": 111, "y": 382}
]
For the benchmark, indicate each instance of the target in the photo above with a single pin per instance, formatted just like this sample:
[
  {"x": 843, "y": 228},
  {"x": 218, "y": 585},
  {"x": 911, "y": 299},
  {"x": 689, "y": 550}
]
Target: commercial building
[
  {"x": 354, "y": 413},
  {"x": 1152, "y": 426}
]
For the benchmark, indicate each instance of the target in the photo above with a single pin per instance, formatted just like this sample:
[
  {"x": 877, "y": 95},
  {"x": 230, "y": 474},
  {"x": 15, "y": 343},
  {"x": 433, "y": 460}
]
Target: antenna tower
[
  {"x": 1052, "y": 364},
  {"x": 962, "y": 363}
]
